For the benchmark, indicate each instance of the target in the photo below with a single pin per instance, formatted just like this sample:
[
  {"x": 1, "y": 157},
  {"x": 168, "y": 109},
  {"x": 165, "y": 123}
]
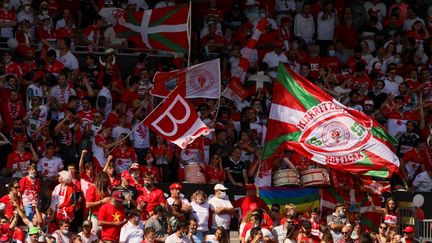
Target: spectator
[
  {"x": 409, "y": 235},
  {"x": 63, "y": 234},
  {"x": 112, "y": 217},
  {"x": 235, "y": 169},
  {"x": 63, "y": 197},
  {"x": 304, "y": 25},
  {"x": 200, "y": 211},
  {"x": 133, "y": 230},
  {"x": 337, "y": 221},
  {"x": 180, "y": 234},
  {"x": 221, "y": 207},
  {"x": 219, "y": 236},
  {"x": 86, "y": 235},
  {"x": 157, "y": 223}
]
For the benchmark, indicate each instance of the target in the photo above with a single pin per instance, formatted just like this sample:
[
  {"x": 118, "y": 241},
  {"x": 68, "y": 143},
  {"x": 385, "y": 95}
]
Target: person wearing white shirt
[
  {"x": 200, "y": 210},
  {"x": 304, "y": 24},
  {"x": 86, "y": 235},
  {"x": 181, "y": 229},
  {"x": 49, "y": 166},
  {"x": 221, "y": 207},
  {"x": 133, "y": 230},
  {"x": 104, "y": 101},
  {"x": 266, "y": 234},
  {"x": 165, "y": 3},
  {"x": 275, "y": 57},
  {"x": 176, "y": 194},
  {"x": 280, "y": 232},
  {"x": 412, "y": 18},
  {"x": 423, "y": 181},
  {"x": 326, "y": 21},
  {"x": 390, "y": 84}
]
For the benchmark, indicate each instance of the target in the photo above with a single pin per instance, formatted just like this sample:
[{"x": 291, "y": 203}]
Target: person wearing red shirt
[
  {"x": 46, "y": 34},
  {"x": 151, "y": 168},
  {"x": 86, "y": 173},
  {"x": 113, "y": 118},
  {"x": 69, "y": 30},
  {"x": 11, "y": 67},
  {"x": 12, "y": 109},
  {"x": 331, "y": 61},
  {"x": 11, "y": 199},
  {"x": 352, "y": 61},
  {"x": 87, "y": 112},
  {"x": 111, "y": 171},
  {"x": 152, "y": 195},
  {"x": 8, "y": 20},
  {"x": 52, "y": 65},
  {"x": 213, "y": 12},
  {"x": 316, "y": 222},
  {"x": 130, "y": 95},
  {"x": 124, "y": 155},
  {"x": 258, "y": 218},
  {"x": 97, "y": 194},
  {"x": 29, "y": 63},
  {"x": 112, "y": 217},
  {"x": 19, "y": 159},
  {"x": 212, "y": 33},
  {"x": 251, "y": 201},
  {"x": 214, "y": 172},
  {"x": 346, "y": 31},
  {"x": 30, "y": 187},
  {"x": 62, "y": 198},
  {"x": 313, "y": 59},
  {"x": 92, "y": 34}
]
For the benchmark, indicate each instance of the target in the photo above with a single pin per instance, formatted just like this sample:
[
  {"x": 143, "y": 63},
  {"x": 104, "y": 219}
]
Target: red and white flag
[
  {"x": 235, "y": 90},
  {"x": 176, "y": 121},
  {"x": 199, "y": 81}
]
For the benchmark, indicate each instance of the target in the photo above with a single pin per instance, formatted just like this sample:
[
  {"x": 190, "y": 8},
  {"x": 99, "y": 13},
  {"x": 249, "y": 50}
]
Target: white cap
[
  {"x": 2, "y": 206},
  {"x": 220, "y": 187}
]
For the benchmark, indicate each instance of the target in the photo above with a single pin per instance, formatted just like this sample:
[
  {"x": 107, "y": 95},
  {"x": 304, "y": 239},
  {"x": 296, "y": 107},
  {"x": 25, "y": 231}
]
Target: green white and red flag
[
  {"x": 306, "y": 119},
  {"x": 358, "y": 204},
  {"x": 163, "y": 28}
]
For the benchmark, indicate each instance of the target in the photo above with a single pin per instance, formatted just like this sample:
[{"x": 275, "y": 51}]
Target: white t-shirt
[
  {"x": 184, "y": 201},
  {"x": 174, "y": 239},
  {"x": 273, "y": 59},
  {"x": 118, "y": 130},
  {"x": 223, "y": 220},
  {"x": 141, "y": 136},
  {"x": 391, "y": 87},
  {"x": 304, "y": 27},
  {"x": 201, "y": 213},
  {"x": 325, "y": 27},
  {"x": 423, "y": 182},
  {"x": 69, "y": 61},
  {"x": 90, "y": 239},
  {"x": 132, "y": 234},
  {"x": 109, "y": 102},
  {"x": 279, "y": 233},
  {"x": 110, "y": 35},
  {"x": 49, "y": 168}
]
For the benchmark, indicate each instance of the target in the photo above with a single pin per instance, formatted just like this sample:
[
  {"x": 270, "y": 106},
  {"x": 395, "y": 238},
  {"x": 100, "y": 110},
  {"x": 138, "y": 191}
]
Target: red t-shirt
[
  {"x": 248, "y": 204},
  {"x": 153, "y": 170},
  {"x": 54, "y": 68},
  {"x": 128, "y": 97},
  {"x": 19, "y": 161},
  {"x": 333, "y": 63},
  {"x": 109, "y": 213},
  {"x": 153, "y": 198},
  {"x": 212, "y": 174},
  {"x": 93, "y": 196},
  {"x": 13, "y": 68},
  {"x": 414, "y": 156},
  {"x": 124, "y": 157},
  {"x": 9, "y": 211}
]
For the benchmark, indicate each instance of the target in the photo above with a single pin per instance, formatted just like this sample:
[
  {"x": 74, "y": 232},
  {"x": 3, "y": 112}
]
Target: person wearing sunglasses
[
  {"x": 280, "y": 232},
  {"x": 346, "y": 234}
]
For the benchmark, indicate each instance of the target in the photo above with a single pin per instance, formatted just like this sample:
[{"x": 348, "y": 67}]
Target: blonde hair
[{"x": 195, "y": 195}]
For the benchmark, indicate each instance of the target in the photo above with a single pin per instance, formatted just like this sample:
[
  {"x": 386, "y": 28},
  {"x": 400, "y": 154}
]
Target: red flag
[
  {"x": 176, "y": 121},
  {"x": 376, "y": 187},
  {"x": 198, "y": 81},
  {"x": 235, "y": 91}
]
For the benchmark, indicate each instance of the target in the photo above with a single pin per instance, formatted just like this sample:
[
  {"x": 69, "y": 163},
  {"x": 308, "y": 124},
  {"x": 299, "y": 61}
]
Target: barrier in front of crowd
[{"x": 424, "y": 230}]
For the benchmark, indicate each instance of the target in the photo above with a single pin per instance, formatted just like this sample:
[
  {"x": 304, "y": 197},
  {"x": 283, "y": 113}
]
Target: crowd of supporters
[{"x": 76, "y": 126}]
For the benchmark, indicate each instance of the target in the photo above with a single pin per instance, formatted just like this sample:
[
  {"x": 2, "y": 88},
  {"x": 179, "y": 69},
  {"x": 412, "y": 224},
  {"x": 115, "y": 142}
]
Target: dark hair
[
  {"x": 254, "y": 231},
  {"x": 50, "y": 145},
  {"x": 133, "y": 212},
  {"x": 51, "y": 53},
  {"x": 133, "y": 80},
  {"x": 11, "y": 184}
]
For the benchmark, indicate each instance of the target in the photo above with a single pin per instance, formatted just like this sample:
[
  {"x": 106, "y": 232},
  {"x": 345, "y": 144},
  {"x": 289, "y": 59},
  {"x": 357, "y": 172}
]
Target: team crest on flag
[
  {"x": 201, "y": 80},
  {"x": 308, "y": 120}
]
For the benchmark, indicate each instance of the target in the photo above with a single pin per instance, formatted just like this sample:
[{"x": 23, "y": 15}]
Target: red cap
[
  {"x": 117, "y": 195},
  {"x": 278, "y": 43},
  {"x": 250, "y": 187},
  {"x": 126, "y": 174},
  {"x": 20, "y": 138},
  {"x": 176, "y": 186},
  {"x": 38, "y": 75},
  {"x": 141, "y": 199},
  {"x": 409, "y": 229}
]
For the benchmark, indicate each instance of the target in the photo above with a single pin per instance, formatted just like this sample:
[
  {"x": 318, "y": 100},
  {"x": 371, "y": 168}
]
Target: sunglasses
[
  {"x": 381, "y": 227},
  {"x": 17, "y": 187},
  {"x": 178, "y": 205},
  {"x": 345, "y": 233}
]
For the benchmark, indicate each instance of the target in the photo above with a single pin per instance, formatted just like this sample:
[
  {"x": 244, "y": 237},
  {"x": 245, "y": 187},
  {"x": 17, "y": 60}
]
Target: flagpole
[
  {"x": 220, "y": 94},
  {"x": 189, "y": 32},
  {"x": 139, "y": 124}
]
